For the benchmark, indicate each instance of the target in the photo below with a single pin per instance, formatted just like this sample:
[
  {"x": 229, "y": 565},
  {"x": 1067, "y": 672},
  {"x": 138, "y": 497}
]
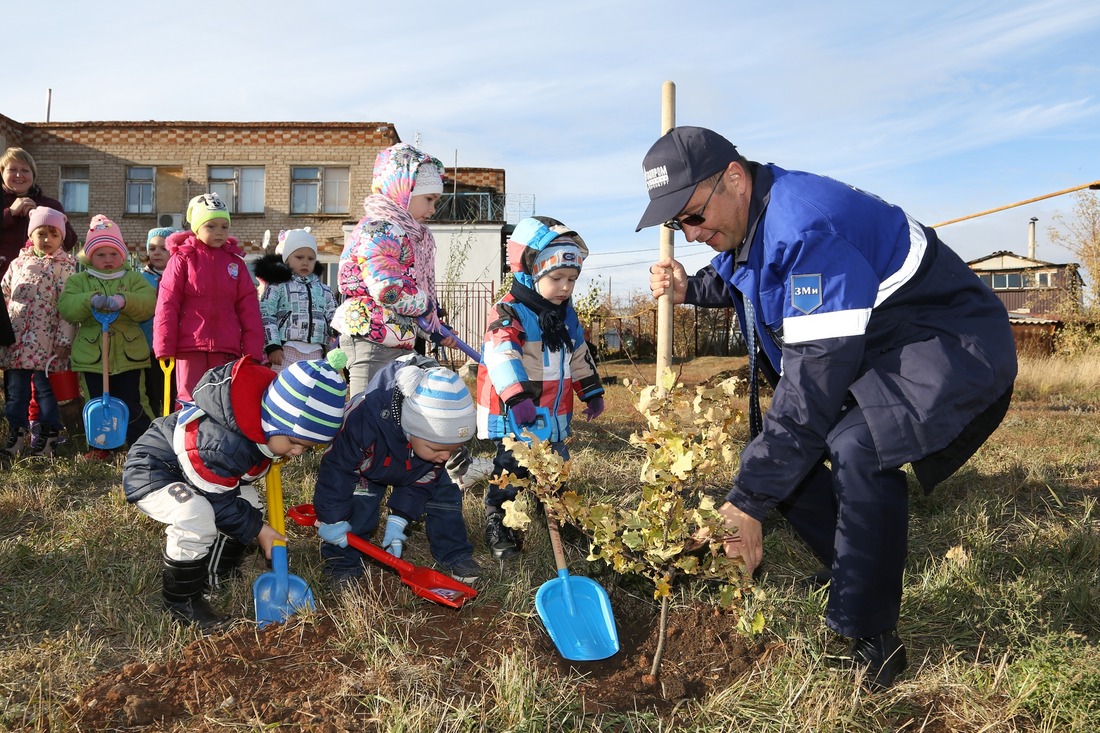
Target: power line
[{"x": 681, "y": 258}]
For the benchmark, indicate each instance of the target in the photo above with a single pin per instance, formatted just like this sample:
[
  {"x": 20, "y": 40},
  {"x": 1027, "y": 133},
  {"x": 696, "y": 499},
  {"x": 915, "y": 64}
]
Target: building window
[
  {"x": 319, "y": 190},
  {"x": 140, "y": 193},
  {"x": 1006, "y": 281},
  {"x": 1042, "y": 280},
  {"x": 240, "y": 187},
  {"x": 74, "y": 188}
]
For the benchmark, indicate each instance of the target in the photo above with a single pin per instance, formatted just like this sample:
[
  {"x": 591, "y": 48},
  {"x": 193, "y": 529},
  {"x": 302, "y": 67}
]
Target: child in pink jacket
[{"x": 208, "y": 312}]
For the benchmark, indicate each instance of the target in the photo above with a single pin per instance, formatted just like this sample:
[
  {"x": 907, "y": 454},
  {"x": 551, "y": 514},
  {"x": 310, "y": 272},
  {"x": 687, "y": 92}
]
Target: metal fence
[
  {"x": 696, "y": 332},
  {"x": 467, "y": 305}
]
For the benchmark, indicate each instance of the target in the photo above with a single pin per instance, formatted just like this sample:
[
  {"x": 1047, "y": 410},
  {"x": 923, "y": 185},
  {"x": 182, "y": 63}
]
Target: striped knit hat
[
  {"x": 562, "y": 252},
  {"x": 102, "y": 232},
  {"x": 306, "y": 400},
  {"x": 437, "y": 407}
]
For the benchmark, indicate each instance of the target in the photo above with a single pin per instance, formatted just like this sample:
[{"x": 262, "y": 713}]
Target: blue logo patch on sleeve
[{"x": 806, "y": 292}]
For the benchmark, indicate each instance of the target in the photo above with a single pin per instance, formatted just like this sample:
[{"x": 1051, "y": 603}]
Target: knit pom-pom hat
[
  {"x": 306, "y": 401},
  {"x": 102, "y": 232},
  {"x": 437, "y": 407}
]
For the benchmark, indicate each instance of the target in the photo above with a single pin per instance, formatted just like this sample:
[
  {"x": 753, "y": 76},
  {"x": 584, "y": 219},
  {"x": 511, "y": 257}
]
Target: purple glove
[
  {"x": 109, "y": 303},
  {"x": 523, "y": 412},
  {"x": 593, "y": 408}
]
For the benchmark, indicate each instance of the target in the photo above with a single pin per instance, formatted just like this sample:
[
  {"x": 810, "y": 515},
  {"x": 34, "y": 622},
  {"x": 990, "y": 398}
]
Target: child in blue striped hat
[
  {"x": 194, "y": 469},
  {"x": 399, "y": 432}
]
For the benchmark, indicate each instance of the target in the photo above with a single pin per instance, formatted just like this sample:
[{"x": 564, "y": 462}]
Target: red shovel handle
[
  {"x": 426, "y": 583},
  {"x": 305, "y": 515}
]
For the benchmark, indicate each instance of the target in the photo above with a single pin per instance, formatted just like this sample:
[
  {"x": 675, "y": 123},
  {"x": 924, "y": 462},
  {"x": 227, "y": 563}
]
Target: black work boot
[
  {"x": 882, "y": 655},
  {"x": 184, "y": 583},
  {"x": 224, "y": 561},
  {"x": 502, "y": 541}
]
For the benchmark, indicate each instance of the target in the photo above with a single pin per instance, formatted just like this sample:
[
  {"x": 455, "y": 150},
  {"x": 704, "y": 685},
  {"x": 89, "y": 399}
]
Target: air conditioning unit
[{"x": 170, "y": 220}]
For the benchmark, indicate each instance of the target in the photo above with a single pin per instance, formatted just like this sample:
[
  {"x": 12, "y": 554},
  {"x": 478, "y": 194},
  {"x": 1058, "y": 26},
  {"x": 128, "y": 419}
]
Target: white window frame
[
  {"x": 238, "y": 187},
  {"x": 139, "y": 186},
  {"x": 74, "y": 188},
  {"x": 327, "y": 190}
]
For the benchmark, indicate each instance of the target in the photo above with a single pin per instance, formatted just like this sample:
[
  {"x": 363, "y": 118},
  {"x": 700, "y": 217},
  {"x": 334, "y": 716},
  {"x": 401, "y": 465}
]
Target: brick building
[{"x": 273, "y": 176}]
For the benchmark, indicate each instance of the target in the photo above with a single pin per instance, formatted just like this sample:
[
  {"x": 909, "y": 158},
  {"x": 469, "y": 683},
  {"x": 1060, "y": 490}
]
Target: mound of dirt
[{"x": 275, "y": 676}]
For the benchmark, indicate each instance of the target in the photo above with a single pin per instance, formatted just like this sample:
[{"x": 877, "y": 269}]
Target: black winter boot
[
  {"x": 184, "y": 583},
  {"x": 224, "y": 561},
  {"x": 502, "y": 541},
  {"x": 17, "y": 438},
  {"x": 44, "y": 443}
]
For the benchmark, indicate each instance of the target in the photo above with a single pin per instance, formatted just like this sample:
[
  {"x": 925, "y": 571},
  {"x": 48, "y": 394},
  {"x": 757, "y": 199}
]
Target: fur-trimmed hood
[
  {"x": 272, "y": 270},
  {"x": 180, "y": 240}
]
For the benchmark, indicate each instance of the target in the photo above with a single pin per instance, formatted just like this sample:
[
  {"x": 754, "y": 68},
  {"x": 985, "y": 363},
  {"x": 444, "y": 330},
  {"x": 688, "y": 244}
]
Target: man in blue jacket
[{"x": 883, "y": 346}]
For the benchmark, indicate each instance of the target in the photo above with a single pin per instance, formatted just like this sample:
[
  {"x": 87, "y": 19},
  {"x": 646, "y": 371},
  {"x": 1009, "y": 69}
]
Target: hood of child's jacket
[
  {"x": 182, "y": 241},
  {"x": 395, "y": 172},
  {"x": 212, "y": 396},
  {"x": 231, "y": 395}
]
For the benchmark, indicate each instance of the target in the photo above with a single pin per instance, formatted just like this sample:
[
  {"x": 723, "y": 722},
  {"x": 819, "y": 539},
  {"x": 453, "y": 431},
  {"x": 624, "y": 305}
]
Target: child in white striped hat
[{"x": 399, "y": 432}]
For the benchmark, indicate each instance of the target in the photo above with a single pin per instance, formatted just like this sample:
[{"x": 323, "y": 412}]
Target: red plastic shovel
[{"x": 425, "y": 582}]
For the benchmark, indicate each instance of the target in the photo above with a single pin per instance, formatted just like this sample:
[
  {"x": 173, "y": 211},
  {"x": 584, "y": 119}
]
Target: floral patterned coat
[
  {"x": 387, "y": 267},
  {"x": 31, "y": 287}
]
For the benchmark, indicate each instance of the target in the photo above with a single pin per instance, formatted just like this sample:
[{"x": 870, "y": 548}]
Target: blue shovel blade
[
  {"x": 541, "y": 428},
  {"x": 105, "y": 421},
  {"x": 577, "y": 614},
  {"x": 279, "y": 595}
]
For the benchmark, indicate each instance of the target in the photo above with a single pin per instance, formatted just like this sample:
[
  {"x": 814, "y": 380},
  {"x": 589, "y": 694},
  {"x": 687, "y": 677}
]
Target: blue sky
[{"x": 946, "y": 108}]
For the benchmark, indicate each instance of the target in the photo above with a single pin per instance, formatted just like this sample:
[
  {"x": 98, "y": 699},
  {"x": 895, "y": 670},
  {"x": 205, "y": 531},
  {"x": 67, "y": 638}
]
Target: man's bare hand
[
  {"x": 668, "y": 275},
  {"x": 746, "y": 537}
]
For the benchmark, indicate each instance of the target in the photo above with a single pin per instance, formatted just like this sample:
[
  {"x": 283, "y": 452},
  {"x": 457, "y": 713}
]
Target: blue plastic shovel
[
  {"x": 279, "y": 595},
  {"x": 576, "y": 611},
  {"x": 105, "y": 419},
  {"x": 540, "y": 428}
]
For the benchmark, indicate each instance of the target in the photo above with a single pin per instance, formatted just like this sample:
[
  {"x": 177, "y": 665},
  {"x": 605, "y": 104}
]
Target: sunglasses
[{"x": 692, "y": 220}]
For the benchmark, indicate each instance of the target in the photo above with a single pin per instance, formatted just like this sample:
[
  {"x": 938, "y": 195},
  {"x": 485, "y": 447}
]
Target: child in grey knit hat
[{"x": 399, "y": 432}]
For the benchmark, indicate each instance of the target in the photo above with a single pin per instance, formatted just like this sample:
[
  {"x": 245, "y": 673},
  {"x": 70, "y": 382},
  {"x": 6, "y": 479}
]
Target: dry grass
[{"x": 1001, "y": 612}]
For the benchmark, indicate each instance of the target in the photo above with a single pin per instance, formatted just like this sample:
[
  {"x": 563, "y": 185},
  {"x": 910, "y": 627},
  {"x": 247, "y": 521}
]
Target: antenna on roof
[{"x": 49, "y": 98}]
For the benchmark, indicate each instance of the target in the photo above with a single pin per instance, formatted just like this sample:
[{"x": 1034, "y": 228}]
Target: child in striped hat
[
  {"x": 194, "y": 469},
  {"x": 400, "y": 432},
  {"x": 108, "y": 285}
]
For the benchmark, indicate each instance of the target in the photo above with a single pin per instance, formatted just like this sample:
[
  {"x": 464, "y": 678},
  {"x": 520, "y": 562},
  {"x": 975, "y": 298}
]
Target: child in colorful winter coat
[
  {"x": 194, "y": 469},
  {"x": 43, "y": 340},
  {"x": 534, "y": 359},
  {"x": 208, "y": 313},
  {"x": 109, "y": 285},
  {"x": 156, "y": 259},
  {"x": 387, "y": 268},
  {"x": 296, "y": 307},
  {"x": 399, "y": 433}
]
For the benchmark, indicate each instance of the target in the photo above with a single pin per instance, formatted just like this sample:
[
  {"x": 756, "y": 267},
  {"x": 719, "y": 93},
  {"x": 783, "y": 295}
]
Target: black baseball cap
[{"x": 681, "y": 159}]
